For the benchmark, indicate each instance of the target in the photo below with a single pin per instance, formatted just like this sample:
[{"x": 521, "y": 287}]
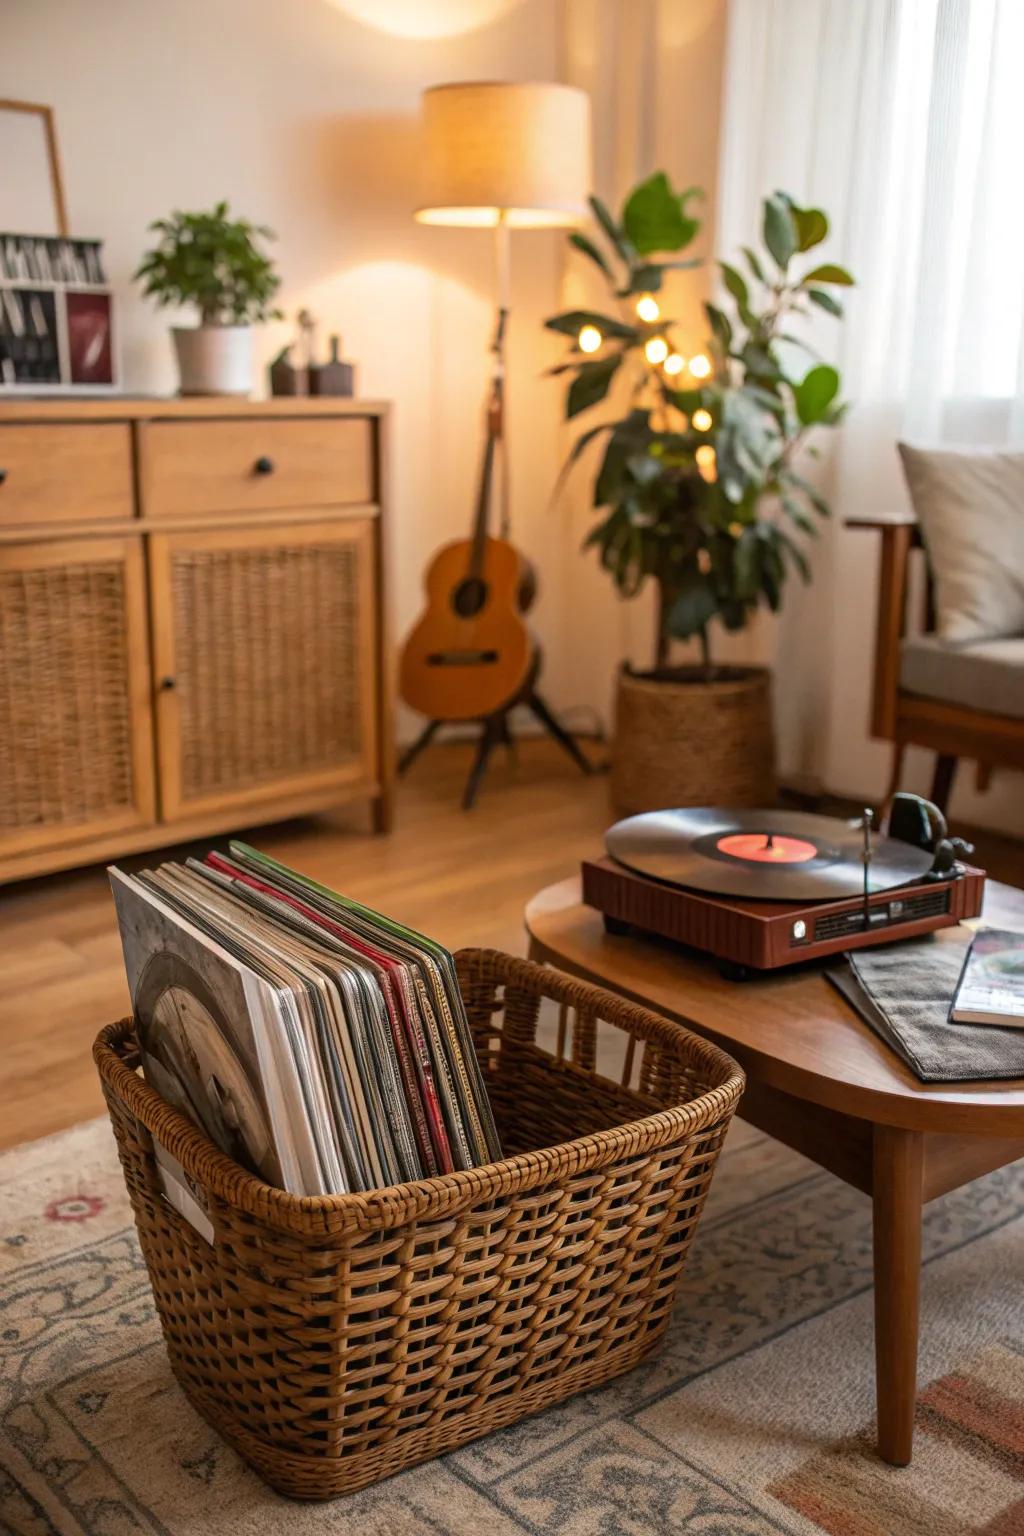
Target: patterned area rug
[{"x": 754, "y": 1418}]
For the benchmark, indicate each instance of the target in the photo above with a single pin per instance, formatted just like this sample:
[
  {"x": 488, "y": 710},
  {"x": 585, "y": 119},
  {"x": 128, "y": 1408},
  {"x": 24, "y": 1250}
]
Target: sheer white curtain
[{"x": 904, "y": 119}]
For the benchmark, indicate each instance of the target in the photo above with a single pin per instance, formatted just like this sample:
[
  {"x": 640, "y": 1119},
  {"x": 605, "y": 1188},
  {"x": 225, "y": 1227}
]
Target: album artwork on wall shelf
[{"x": 56, "y": 317}]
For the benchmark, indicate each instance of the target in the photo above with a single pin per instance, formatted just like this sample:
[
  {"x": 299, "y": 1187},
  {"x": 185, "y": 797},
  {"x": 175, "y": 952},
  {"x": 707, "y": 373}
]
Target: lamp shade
[{"x": 516, "y": 152}]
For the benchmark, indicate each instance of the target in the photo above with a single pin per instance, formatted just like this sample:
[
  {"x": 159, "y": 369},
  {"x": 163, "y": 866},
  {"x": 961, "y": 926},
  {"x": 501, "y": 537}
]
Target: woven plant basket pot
[
  {"x": 334, "y": 1340},
  {"x": 680, "y": 740}
]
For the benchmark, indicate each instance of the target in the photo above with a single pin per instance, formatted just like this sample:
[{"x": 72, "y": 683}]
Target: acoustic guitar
[{"x": 470, "y": 654}]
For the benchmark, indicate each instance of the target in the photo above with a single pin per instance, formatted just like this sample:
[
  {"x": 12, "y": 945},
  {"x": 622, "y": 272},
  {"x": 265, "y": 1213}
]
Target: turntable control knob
[{"x": 799, "y": 929}]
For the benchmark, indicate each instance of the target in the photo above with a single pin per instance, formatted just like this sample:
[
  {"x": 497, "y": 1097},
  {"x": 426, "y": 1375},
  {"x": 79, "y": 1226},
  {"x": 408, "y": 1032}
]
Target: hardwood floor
[{"x": 464, "y": 877}]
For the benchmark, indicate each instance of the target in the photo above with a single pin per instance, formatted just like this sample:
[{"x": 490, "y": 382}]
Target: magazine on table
[
  {"x": 319, "y": 1044},
  {"x": 991, "y": 985}
]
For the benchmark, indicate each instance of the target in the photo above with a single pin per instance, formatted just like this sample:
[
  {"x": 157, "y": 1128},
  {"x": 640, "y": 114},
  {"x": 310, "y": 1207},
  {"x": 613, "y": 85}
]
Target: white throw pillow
[{"x": 970, "y": 505}]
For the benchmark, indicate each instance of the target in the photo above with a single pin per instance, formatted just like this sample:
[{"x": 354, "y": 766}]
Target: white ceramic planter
[{"x": 214, "y": 359}]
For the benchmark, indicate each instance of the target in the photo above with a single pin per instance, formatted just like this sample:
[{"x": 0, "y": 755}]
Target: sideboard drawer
[
  {"x": 258, "y": 464},
  {"x": 61, "y": 472}
]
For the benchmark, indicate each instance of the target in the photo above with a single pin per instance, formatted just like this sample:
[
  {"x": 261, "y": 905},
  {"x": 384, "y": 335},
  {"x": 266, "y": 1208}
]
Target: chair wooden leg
[
  {"x": 942, "y": 780},
  {"x": 982, "y": 777}
]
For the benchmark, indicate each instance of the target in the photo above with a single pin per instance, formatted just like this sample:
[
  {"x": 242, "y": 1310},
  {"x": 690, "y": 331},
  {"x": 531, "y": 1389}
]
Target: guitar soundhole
[{"x": 469, "y": 597}]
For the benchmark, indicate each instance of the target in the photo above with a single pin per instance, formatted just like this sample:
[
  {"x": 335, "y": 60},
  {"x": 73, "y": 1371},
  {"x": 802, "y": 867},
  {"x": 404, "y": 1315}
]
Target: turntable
[{"x": 763, "y": 889}]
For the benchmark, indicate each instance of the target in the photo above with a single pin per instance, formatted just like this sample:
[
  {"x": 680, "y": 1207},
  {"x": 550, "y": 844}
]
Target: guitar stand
[{"x": 495, "y": 731}]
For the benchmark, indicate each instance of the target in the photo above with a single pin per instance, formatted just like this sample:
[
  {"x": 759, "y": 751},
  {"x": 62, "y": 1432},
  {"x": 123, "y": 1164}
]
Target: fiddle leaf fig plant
[
  {"x": 212, "y": 261},
  {"x": 697, "y": 488}
]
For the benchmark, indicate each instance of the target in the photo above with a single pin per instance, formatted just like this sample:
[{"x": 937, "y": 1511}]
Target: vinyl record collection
[{"x": 321, "y": 1045}]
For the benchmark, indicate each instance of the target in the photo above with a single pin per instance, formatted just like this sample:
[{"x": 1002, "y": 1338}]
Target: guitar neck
[{"x": 483, "y": 502}]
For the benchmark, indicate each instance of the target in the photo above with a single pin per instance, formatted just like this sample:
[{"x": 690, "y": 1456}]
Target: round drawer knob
[
  {"x": 166, "y": 684},
  {"x": 264, "y": 466}
]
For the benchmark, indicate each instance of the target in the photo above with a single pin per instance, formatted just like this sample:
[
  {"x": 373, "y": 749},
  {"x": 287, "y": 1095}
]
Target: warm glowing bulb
[
  {"x": 700, "y": 367},
  {"x": 701, "y": 420},
  {"x": 647, "y": 308},
  {"x": 707, "y": 462},
  {"x": 656, "y": 350},
  {"x": 674, "y": 363},
  {"x": 589, "y": 339}
]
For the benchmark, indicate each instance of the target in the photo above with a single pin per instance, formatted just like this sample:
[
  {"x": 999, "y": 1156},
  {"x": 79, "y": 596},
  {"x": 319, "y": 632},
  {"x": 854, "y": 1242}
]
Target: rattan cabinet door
[
  {"x": 264, "y": 655},
  {"x": 76, "y": 740}
]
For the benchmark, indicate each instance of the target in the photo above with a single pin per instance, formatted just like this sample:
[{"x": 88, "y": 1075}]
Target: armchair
[{"x": 961, "y": 701}]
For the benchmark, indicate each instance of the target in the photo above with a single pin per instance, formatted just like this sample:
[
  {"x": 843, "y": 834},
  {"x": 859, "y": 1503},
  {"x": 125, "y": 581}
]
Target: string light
[
  {"x": 647, "y": 308},
  {"x": 674, "y": 363},
  {"x": 700, "y": 366},
  {"x": 656, "y": 350},
  {"x": 589, "y": 338},
  {"x": 701, "y": 420},
  {"x": 707, "y": 463}
]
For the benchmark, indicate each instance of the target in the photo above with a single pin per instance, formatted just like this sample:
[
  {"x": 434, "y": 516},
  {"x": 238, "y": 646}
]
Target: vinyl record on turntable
[{"x": 763, "y": 855}]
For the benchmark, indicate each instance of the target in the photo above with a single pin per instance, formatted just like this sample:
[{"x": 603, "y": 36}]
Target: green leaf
[
  {"x": 721, "y": 326},
  {"x": 747, "y": 565},
  {"x": 694, "y": 606},
  {"x": 795, "y": 553},
  {"x": 780, "y": 234},
  {"x": 611, "y": 229},
  {"x": 586, "y": 245},
  {"x": 829, "y": 273},
  {"x": 825, "y": 301},
  {"x": 591, "y": 384},
  {"x": 813, "y": 495},
  {"x": 815, "y": 393},
  {"x": 649, "y": 276},
  {"x": 735, "y": 284},
  {"x": 760, "y": 364},
  {"x": 798, "y": 516},
  {"x": 654, "y": 217},
  {"x": 811, "y": 226},
  {"x": 573, "y": 320},
  {"x": 753, "y": 263}
]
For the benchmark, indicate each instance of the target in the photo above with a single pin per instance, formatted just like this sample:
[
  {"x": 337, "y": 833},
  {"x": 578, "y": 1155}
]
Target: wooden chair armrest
[
  {"x": 884, "y": 524},
  {"x": 899, "y": 537}
]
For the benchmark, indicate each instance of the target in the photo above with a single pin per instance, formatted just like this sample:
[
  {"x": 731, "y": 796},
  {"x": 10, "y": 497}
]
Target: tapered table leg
[{"x": 898, "y": 1204}]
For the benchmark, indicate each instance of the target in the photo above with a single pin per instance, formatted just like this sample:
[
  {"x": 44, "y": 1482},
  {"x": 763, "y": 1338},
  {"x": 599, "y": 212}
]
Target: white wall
[{"x": 302, "y": 113}]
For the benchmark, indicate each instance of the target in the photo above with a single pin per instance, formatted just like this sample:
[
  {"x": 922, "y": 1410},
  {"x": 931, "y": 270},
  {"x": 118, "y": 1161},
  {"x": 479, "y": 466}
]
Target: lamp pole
[{"x": 502, "y": 272}]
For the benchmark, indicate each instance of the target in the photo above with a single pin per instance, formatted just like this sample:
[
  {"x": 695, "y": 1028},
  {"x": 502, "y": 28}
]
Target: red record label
[{"x": 766, "y": 848}]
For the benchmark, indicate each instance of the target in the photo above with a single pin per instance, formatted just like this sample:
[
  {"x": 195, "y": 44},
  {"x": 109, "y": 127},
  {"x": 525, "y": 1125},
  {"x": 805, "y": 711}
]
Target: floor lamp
[{"x": 504, "y": 156}]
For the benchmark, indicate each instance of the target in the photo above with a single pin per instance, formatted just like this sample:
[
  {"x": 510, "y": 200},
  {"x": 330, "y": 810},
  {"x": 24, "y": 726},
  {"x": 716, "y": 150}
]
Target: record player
[{"x": 764, "y": 889}]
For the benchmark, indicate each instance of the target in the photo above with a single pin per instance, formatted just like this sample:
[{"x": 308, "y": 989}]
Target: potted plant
[
  {"x": 698, "y": 489},
  {"x": 213, "y": 262}
]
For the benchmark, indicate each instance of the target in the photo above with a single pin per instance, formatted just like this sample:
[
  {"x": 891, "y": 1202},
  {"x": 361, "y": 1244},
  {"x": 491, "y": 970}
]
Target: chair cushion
[
  {"x": 970, "y": 504},
  {"x": 988, "y": 675}
]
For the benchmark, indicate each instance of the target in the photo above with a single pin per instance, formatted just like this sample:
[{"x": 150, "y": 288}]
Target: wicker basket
[
  {"x": 334, "y": 1340},
  {"x": 680, "y": 740}
]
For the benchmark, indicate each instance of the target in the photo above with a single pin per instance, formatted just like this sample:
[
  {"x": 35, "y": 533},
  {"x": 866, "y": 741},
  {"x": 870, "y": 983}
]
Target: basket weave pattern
[
  {"x": 692, "y": 743},
  {"x": 335, "y": 1340},
  {"x": 259, "y": 633}
]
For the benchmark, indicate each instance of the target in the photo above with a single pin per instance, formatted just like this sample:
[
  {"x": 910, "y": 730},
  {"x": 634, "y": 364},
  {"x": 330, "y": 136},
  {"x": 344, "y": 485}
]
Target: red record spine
[{"x": 425, "y": 1106}]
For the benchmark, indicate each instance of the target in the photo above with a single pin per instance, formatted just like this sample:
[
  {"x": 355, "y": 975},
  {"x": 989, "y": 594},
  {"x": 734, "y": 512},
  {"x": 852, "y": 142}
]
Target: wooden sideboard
[{"x": 192, "y": 621}]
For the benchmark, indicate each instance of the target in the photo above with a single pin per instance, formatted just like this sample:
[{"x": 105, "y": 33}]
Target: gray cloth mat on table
[{"x": 904, "y": 992}]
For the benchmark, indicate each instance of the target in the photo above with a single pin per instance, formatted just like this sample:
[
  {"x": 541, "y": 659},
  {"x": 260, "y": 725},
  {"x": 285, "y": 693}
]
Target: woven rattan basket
[{"x": 335, "y": 1340}]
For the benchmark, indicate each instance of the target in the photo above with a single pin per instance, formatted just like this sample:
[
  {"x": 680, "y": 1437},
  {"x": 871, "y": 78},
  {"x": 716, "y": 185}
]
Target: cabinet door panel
[
  {"x": 263, "y": 646},
  {"x": 75, "y": 719}
]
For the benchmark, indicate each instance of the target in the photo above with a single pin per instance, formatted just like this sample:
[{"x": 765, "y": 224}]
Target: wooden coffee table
[{"x": 822, "y": 1082}]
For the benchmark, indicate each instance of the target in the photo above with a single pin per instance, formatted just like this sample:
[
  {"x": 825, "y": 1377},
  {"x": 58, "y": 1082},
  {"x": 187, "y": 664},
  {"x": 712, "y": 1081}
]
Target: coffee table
[{"x": 821, "y": 1081}]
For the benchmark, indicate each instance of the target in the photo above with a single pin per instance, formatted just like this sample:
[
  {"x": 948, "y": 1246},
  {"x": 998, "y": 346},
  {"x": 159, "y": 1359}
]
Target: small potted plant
[
  {"x": 698, "y": 488},
  {"x": 212, "y": 262}
]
